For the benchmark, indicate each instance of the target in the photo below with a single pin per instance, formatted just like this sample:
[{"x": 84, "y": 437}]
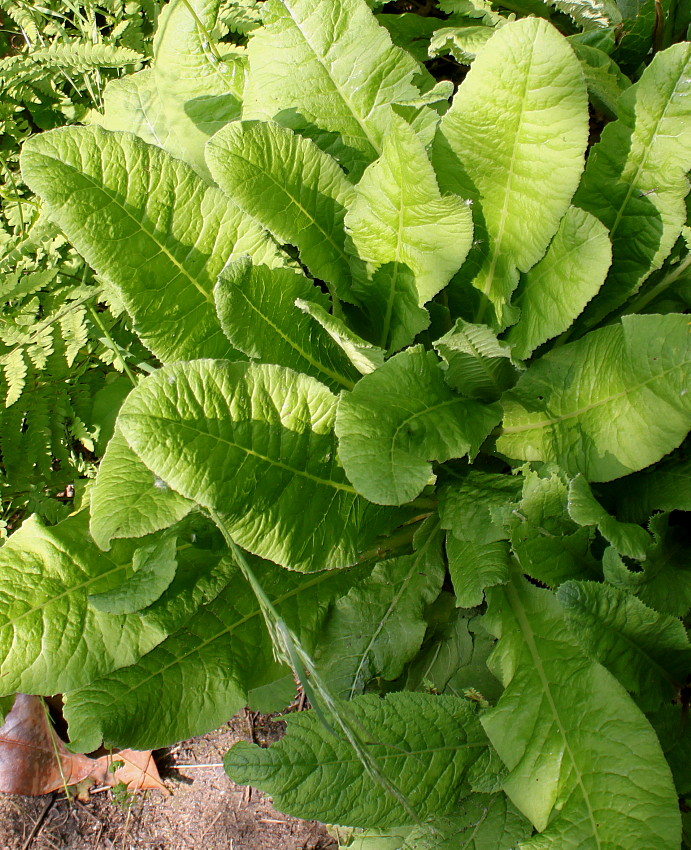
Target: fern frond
[
  {"x": 74, "y": 332},
  {"x": 23, "y": 17},
  {"x": 80, "y": 55},
  {"x": 14, "y": 370}
]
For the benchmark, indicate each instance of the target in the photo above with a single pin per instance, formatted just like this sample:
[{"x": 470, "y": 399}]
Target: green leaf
[
  {"x": 154, "y": 566},
  {"x": 207, "y": 667},
  {"x": 105, "y": 189},
  {"x": 481, "y": 822},
  {"x": 254, "y": 443},
  {"x": 132, "y": 104},
  {"x": 555, "y": 291},
  {"x": 589, "y": 14},
  {"x": 344, "y": 95},
  {"x": 498, "y": 145},
  {"x": 628, "y": 539},
  {"x": 399, "y": 216},
  {"x": 292, "y": 188},
  {"x": 585, "y": 766},
  {"x": 424, "y": 743},
  {"x": 476, "y": 566},
  {"x": 473, "y": 507},
  {"x": 649, "y": 653},
  {"x": 128, "y": 500},
  {"x": 664, "y": 487},
  {"x": 51, "y": 639},
  {"x": 256, "y": 308},
  {"x": 547, "y": 542},
  {"x": 410, "y": 31},
  {"x": 479, "y": 365},
  {"x": 365, "y": 356},
  {"x": 663, "y": 580},
  {"x": 200, "y": 89},
  {"x": 635, "y": 181},
  {"x": 463, "y": 43},
  {"x": 401, "y": 417},
  {"x": 379, "y": 625},
  {"x": 604, "y": 80},
  {"x": 672, "y": 728},
  {"x": 604, "y": 422}
]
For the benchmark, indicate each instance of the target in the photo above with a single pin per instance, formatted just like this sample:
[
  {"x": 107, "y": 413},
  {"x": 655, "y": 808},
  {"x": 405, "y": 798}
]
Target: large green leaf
[
  {"x": 198, "y": 81},
  {"x": 294, "y": 189},
  {"x": 476, "y": 566},
  {"x": 399, "y": 216},
  {"x": 635, "y": 181},
  {"x": 585, "y": 766},
  {"x": 612, "y": 403},
  {"x": 424, "y": 743},
  {"x": 254, "y": 443},
  {"x": 474, "y": 506},
  {"x": 257, "y": 311},
  {"x": 344, "y": 95},
  {"x": 648, "y": 652},
  {"x": 149, "y": 224},
  {"x": 132, "y": 104},
  {"x": 555, "y": 291},
  {"x": 401, "y": 417},
  {"x": 200, "y": 675},
  {"x": 513, "y": 141},
  {"x": 128, "y": 500},
  {"x": 379, "y": 625},
  {"x": 51, "y": 639}
]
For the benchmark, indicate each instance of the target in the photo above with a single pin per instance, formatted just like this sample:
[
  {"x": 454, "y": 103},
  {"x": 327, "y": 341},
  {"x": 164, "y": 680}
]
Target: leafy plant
[{"x": 419, "y": 429}]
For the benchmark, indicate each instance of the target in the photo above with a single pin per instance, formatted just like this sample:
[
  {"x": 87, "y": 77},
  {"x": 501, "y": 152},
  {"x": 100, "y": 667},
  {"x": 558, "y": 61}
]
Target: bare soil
[{"x": 205, "y": 810}]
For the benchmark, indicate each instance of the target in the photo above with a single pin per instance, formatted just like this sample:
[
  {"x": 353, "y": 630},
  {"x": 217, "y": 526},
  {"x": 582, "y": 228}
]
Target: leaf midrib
[
  {"x": 177, "y": 423},
  {"x": 546, "y": 423},
  {"x": 529, "y": 637}
]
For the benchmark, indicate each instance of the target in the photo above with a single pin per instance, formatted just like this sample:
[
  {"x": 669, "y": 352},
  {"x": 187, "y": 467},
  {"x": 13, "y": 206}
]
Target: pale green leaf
[
  {"x": 81, "y": 55},
  {"x": 513, "y": 141},
  {"x": 549, "y": 545},
  {"x": 589, "y": 14},
  {"x": 609, "y": 404},
  {"x": 299, "y": 79},
  {"x": 379, "y": 625},
  {"x": 254, "y": 443},
  {"x": 199, "y": 84},
  {"x": 391, "y": 307},
  {"x": 410, "y": 31},
  {"x": 628, "y": 539},
  {"x": 400, "y": 418},
  {"x": 555, "y": 291},
  {"x": 365, "y": 356},
  {"x": 106, "y": 190},
  {"x": 463, "y": 43},
  {"x": 648, "y": 652},
  {"x": 153, "y": 569},
  {"x": 479, "y": 365},
  {"x": 51, "y": 639},
  {"x": 292, "y": 188},
  {"x": 635, "y": 181},
  {"x": 399, "y": 216},
  {"x": 424, "y": 743},
  {"x": 256, "y": 308},
  {"x": 208, "y": 666},
  {"x": 128, "y": 500},
  {"x": 585, "y": 766},
  {"x": 604, "y": 80}
]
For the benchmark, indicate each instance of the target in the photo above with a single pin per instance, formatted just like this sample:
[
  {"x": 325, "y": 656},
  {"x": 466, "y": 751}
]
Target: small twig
[
  {"x": 195, "y": 766},
  {"x": 211, "y": 825},
  {"x": 39, "y": 823}
]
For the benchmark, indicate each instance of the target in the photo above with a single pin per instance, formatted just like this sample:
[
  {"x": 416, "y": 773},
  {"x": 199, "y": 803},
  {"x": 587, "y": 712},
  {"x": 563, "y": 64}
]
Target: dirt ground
[{"x": 205, "y": 810}]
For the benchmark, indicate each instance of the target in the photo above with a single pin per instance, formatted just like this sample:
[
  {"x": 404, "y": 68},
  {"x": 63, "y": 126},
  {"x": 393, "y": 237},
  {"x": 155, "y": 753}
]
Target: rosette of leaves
[{"x": 424, "y": 382}]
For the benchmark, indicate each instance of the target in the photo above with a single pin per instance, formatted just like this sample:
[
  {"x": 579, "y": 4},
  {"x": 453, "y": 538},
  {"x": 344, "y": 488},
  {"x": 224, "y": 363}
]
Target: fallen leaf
[{"x": 34, "y": 760}]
